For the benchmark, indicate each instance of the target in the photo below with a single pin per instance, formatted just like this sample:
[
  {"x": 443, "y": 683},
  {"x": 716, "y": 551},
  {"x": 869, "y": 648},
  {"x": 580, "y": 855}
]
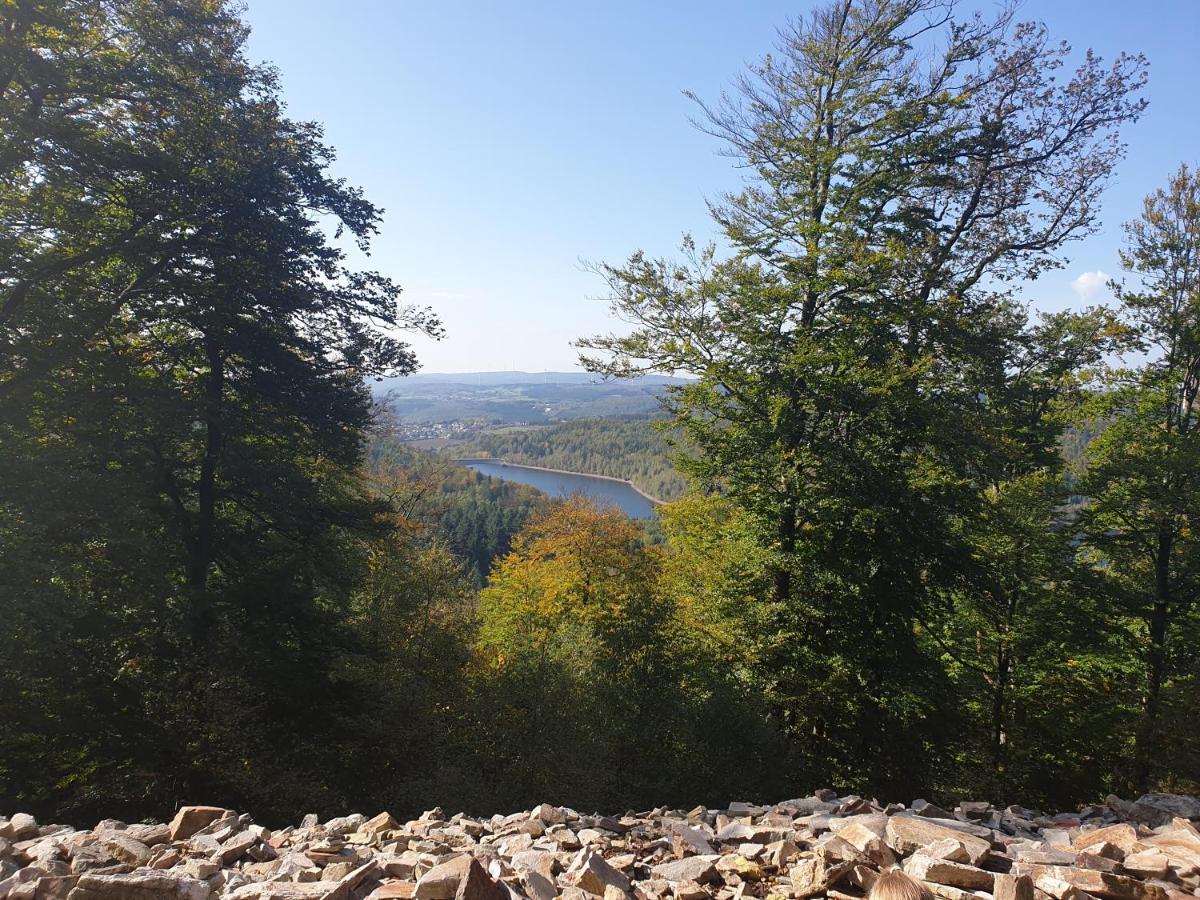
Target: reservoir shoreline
[{"x": 503, "y": 462}]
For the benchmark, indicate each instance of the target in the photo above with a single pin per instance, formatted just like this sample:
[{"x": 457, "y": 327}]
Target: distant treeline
[{"x": 635, "y": 449}]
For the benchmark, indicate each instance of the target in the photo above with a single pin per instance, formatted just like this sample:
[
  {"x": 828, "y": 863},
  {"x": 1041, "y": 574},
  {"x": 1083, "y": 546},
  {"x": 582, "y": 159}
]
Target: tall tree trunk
[
  {"x": 206, "y": 491},
  {"x": 1000, "y": 720},
  {"x": 787, "y": 546},
  {"x": 1001, "y": 681},
  {"x": 1156, "y": 659}
]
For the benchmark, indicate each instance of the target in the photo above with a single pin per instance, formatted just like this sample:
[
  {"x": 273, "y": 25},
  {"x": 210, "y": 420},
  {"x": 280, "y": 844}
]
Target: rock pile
[{"x": 819, "y": 846}]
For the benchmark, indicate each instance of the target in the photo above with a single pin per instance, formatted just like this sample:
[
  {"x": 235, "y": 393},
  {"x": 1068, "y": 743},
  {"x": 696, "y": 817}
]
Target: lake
[{"x": 563, "y": 484}]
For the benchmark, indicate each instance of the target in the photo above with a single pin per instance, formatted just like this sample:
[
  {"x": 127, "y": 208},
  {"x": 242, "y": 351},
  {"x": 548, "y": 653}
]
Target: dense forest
[
  {"x": 634, "y": 449},
  {"x": 475, "y": 515},
  {"x": 221, "y": 583}
]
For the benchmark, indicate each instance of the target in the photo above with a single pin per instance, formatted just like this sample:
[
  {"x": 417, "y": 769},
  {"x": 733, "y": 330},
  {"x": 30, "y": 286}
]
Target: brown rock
[
  {"x": 942, "y": 871},
  {"x": 868, "y": 842},
  {"x": 125, "y": 849},
  {"x": 138, "y": 887},
  {"x": 393, "y": 890},
  {"x": 289, "y": 890},
  {"x": 379, "y": 824},
  {"x": 700, "y": 869},
  {"x": 780, "y": 853},
  {"x": 191, "y": 819},
  {"x": 20, "y": 827},
  {"x": 1180, "y": 844},
  {"x": 948, "y": 892},
  {"x": 1058, "y": 888},
  {"x": 441, "y": 882},
  {"x": 337, "y": 871},
  {"x": 1095, "y": 861},
  {"x": 538, "y": 886},
  {"x": 951, "y": 849},
  {"x": 811, "y": 876},
  {"x": 56, "y": 887},
  {"x": 690, "y": 890},
  {"x": 834, "y": 850},
  {"x": 908, "y": 834},
  {"x": 745, "y": 869},
  {"x": 477, "y": 884},
  {"x": 1118, "y": 887},
  {"x": 862, "y": 877},
  {"x": 589, "y": 872},
  {"x": 150, "y": 835},
  {"x": 687, "y": 840},
  {"x": 1121, "y": 835},
  {"x": 550, "y": 815},
  {"x": 237, "y": 846},
  {"x": 1012, "y": 887},
  {"x": 1146, "y": 864}
]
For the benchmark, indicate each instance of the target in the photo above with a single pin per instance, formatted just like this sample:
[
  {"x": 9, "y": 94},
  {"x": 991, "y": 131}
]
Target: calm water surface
[{"x": 560, "y": 484}]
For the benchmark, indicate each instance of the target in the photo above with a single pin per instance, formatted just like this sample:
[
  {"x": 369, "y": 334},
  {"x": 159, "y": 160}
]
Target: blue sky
[{"x": 507, "y": 141}]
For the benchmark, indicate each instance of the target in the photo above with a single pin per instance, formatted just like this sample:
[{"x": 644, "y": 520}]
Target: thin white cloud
[{"x": 1090, "y": 284}]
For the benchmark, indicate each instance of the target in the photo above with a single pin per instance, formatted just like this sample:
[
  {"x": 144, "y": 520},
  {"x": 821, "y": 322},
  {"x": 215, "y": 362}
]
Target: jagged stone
[
  {"x": 125, "y": 849},
  {"x": 908, "y": 834},
  {"x": 591, "y": 873},
  {"x": 1159, "y": 809},
  {"x": 1146, "y": 864},
  {"x": 1007, "y": 886},
  {"x": 549, "y": 815},
  {"x": 687, "y": 839},
  {"x": 1119, "y": 834},
  {"x": 138, "y": 886},
  {"x": 538, "y": 886},
  {"x": 796, "y": 849},
  {"x": 942, "y": 871},
  {"x": 289, "y": 890},
  {"x": 394, "y": 890},
  {"x": 380, "y": 824},
  {"x": 812, "y": 876},
  {"x": 190, "y": 819},
  {"x": 869, "y": 842},
  {"x": 237, "y": 846},
  {"x": 951, "y": 849},
  {"x": 700, "y": 869},
  {"x": 441, "y": 882},
  {"x": 343, "y": 825},
  {"x": 477, "y": 884},
  {"x": 20, "y": 827}
]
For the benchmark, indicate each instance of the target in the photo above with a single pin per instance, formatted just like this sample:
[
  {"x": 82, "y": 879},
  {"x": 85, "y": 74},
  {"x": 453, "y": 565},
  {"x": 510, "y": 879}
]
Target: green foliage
[
  {"x": 865, "y": 376},
  {"x": 476, "y": 515},
  {"x": 1143, "y": 478},
  {"x": 182, "y": 403},
  {"x": 583, "y": 644},
  {"x": 898, "y": 570}
]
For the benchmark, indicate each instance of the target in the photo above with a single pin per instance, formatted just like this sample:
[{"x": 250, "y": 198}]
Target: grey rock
[{"x": 700, "y": 869}]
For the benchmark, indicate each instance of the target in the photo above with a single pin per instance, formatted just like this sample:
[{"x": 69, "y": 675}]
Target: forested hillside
[
  {"x": 630, "y": 448},
  {"x": 477, "y": 516},
  {"x": 222, "y": 580},
  {"x": 518, "y": 397}
]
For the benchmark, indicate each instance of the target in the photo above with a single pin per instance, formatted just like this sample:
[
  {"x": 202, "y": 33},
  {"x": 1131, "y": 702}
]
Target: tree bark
[
  {"x": 787, "y": 546},
  {"x": 206, "y": 491},
  {"x": 1156, "y": 659}
]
